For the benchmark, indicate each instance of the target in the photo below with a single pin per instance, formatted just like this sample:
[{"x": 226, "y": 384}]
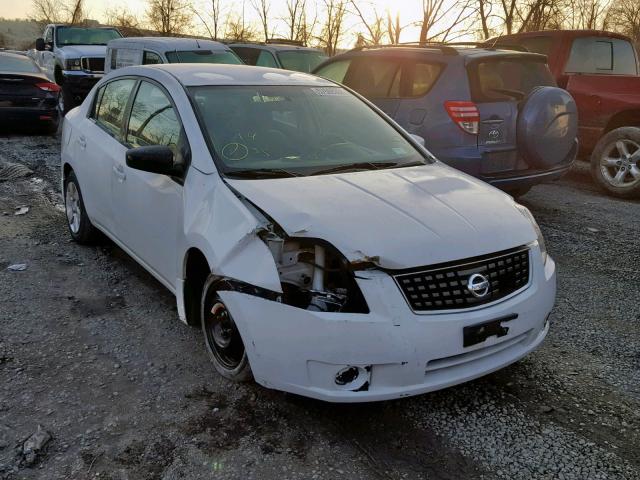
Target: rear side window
[
  {"x": 113, "y": 99},
  {"x": 151, "y": 58},
  {"x": 497, "y": 80},
  {"x": 601, "y": 55},
  {"x": 265, "y": 59},
  {"x": 153, "y": 119},
  {"x": 335, "y": 71},
  {"x": 421, "y": 77},
  {"x": 374, "y": 77}
]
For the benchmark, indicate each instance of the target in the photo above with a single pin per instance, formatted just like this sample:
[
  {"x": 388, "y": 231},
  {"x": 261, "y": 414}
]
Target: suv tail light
[
  {"x": 48, "y": 87},
  {"x": 465, "y": 114}
]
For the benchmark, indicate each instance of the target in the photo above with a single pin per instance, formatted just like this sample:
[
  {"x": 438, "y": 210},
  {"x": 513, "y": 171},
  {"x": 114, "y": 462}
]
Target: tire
[
  {"x": 221, "y": 336},
  {"x": 66, "y": 100},
  {"x": 81, "y": 229},
  {"x": 615, "y": 162}
]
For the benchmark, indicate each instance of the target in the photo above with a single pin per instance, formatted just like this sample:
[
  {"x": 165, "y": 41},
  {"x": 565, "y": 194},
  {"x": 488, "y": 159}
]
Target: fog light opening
[{"x": 352, "y": 378}]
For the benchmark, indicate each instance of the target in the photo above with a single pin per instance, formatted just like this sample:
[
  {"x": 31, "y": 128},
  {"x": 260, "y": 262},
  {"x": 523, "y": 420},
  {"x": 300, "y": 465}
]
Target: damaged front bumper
[{"x": 390, "y": 352}]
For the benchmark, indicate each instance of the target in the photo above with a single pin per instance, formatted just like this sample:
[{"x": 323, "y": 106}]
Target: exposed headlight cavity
[
  {"x": 543, "y": 247},
  {"x": 314, "y": 275}
]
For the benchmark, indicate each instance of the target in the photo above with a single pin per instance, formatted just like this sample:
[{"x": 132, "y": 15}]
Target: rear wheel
[
  {"x": 615, "y": 162},
  {"x": 80, "y": 227},
  {"x": 222, "y": 337},
  {"x": 66, "y": 100}
]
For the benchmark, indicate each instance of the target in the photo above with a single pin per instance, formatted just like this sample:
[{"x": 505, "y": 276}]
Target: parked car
[
  {"x": 125, "y": 52},
  {"x": 600, "y": 70},
  {"x": 322, "y": 250},
  {"x": 73, "y": 58},
  {"x": 495, "y": 114},
  {"x": 27, "y": 97},
  {"x": 280, "y": 54}
]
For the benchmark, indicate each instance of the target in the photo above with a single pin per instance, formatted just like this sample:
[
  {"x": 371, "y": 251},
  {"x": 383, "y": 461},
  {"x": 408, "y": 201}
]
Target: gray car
[{"x": 283, "y": 54}]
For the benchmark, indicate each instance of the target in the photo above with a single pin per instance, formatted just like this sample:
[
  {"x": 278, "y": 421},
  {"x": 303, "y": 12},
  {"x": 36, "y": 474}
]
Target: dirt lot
[{"x": 91, "y": 350}]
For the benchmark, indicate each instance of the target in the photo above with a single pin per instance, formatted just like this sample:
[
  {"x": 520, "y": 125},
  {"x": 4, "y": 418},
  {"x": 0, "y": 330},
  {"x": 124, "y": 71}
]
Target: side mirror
[
  {"x": 155, "y": 159},
  {"x": 40, "y": 44},
  {"x": 418, "y": 139}
]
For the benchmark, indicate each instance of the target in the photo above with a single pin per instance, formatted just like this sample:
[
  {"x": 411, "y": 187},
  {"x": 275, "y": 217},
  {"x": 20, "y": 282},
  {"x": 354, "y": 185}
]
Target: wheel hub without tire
[
  {"x": 223, "y": 336},
  {"x": 620, "y": 164}
]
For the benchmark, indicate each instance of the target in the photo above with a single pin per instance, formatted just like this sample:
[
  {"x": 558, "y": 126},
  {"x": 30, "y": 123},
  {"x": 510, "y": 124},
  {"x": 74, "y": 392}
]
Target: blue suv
[{"x": 494, "y": 113}]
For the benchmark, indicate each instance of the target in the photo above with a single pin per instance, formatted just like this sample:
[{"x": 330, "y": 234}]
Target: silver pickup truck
[{"x": 73, "y": 57}]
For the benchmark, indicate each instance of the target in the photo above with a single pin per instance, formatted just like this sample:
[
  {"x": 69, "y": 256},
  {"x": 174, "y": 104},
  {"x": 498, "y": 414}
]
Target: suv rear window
[
  {"x": 498, "y": 79},
  {"x": 376, "y": 78}
]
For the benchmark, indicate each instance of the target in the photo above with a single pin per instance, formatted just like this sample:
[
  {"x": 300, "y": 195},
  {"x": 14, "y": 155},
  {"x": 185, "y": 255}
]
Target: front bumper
[
  {"x": 79, "y": 82},
  {"x": 401, "y": 353}
]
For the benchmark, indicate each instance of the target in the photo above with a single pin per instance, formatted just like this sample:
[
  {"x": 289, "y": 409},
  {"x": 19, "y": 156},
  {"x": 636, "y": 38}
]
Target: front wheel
[
  {"x": 80, "y": 227},
  {"x": 66, "y": 100},
  {"x": 615, "y": 162},
  {"x": 222, "y": 337}
]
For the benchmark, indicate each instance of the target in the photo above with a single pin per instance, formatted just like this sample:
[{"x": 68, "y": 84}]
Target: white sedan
[{"x": 322, "y": 250}]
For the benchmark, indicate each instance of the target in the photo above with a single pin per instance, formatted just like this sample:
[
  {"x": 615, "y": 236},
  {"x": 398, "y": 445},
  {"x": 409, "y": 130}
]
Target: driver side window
[{"x": 153, "y": 119}]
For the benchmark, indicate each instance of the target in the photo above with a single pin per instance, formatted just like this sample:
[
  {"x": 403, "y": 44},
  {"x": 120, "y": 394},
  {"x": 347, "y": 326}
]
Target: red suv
[{"x": 600, "y": 70}]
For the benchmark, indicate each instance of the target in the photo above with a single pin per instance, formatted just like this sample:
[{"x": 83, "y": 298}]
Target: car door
[
  {"x": 148, "y": 206},
  {"x": 97, "y": 143}
]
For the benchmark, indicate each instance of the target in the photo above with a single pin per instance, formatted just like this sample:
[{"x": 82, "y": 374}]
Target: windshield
[
  {"x": 301, "y": 60},
  {"x": 85, "y": 36},
  {"x": 17, "y": 64},
  {"x": 260, "y": 131},
  {"x": 203, "y": 56}
]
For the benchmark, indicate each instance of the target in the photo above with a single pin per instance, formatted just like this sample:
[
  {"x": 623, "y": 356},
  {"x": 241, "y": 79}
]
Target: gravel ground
[{"x": 92, "y": 351}]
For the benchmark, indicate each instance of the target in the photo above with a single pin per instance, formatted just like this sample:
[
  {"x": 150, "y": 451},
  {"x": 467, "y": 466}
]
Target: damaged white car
[{"x": 321, "y": 248}]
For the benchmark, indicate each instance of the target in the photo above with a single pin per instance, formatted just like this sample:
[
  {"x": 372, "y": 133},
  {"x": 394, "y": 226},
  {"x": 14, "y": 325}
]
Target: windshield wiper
[
  {"x": 261, "y": 172},
  {"x": 362, "y": 166}
]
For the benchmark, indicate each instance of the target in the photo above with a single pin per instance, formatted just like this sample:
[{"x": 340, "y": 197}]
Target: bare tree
[
  {"x": 375, "y": 26},
  {"x": 299, "y": 25},
  {"x": 484, "y": 13},
  {"x": 441, "y": 21},
  {"x": 394, "y": 29},
  {"x": 237, "y": 29},
  {"x": 123, "y": 18},
  {"x": 333, "y": 25},
  {"x": 52, "y": 11},
  {"x": 262, "y": 8},
  {"x": 624, "y": 17},
  {"x": 210, "y": 18},
  {"x": 169, "y": 17}
]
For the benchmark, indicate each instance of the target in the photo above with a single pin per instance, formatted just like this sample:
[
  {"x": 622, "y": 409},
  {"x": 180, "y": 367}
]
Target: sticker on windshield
[
  {"x": 323, "y": 91},
  {"x": 399, "y": 151}
]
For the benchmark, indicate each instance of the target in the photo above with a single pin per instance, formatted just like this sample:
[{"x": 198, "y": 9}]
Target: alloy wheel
[
  {"x": 72, "y": 207},
  {"x": 620, "y": 163}
]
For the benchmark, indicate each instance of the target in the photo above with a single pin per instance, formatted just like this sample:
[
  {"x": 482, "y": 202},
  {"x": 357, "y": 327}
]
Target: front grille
[
  {"x": 445, "y": 286},
  {"x": 93, "y": 64}
]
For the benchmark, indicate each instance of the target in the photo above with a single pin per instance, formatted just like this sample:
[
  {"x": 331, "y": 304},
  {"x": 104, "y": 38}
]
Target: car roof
[
  {"x": 191, "y": 75},
  {"x": 563, "y": 33},
  {"x": 275, "y": 47},
  {"x": 6, "y": 53},
  {"x": 445, "y": 51},
  {"x": 169, "y": 43}
]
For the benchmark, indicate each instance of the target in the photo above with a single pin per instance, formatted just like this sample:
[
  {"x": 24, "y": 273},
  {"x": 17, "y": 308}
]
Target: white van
[{"x": 126, "y": 52}]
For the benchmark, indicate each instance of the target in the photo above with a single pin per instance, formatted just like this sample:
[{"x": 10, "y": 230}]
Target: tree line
[{"x": 330, "y": 23}]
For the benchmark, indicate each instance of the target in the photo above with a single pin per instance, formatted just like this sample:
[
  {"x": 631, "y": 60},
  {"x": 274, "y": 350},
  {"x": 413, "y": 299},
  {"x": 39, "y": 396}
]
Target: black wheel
[
  {"x": 615, "y": 162},
  {"x": 80, "y": 227},
  {"x": 222, "y": 337},
  {"x": 66, "y": 100}
]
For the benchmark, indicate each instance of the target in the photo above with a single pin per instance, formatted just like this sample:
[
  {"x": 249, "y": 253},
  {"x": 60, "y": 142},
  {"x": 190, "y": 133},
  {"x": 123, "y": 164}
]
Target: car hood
[
  {"x": 77, "y": 51},
  {"x": 397, "y": 218}
]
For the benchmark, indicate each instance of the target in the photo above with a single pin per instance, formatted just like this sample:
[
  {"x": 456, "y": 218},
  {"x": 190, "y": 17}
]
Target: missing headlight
[{"x": 314, "y": 275}]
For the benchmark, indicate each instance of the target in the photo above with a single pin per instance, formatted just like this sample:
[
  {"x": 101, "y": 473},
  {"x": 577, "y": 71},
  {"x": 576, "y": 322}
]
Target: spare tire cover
[{"x": 547, "y": 127}]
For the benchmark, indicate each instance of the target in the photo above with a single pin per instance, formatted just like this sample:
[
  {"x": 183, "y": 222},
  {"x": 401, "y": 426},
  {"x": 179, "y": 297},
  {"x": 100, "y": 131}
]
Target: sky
[{"x": 410, "y": 11}]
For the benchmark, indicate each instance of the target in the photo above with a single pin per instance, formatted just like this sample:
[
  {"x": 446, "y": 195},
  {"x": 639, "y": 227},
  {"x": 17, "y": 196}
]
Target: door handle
[
  {"x": 118, "y": 170},
  {"x": 82, "y": 142}
]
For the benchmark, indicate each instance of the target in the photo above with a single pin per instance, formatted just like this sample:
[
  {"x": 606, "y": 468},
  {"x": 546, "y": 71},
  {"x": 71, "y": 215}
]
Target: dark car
[
  {"x": 280, "y": 54},
  {"x": 496, "y": 114},
  {"x": 27, "y": 97}
]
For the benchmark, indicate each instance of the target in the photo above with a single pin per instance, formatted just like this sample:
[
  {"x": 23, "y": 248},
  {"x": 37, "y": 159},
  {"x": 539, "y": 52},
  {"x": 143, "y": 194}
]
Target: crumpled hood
[
  {"x": 406, "y": 217},
  {"x": 77, "y": 51}
]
